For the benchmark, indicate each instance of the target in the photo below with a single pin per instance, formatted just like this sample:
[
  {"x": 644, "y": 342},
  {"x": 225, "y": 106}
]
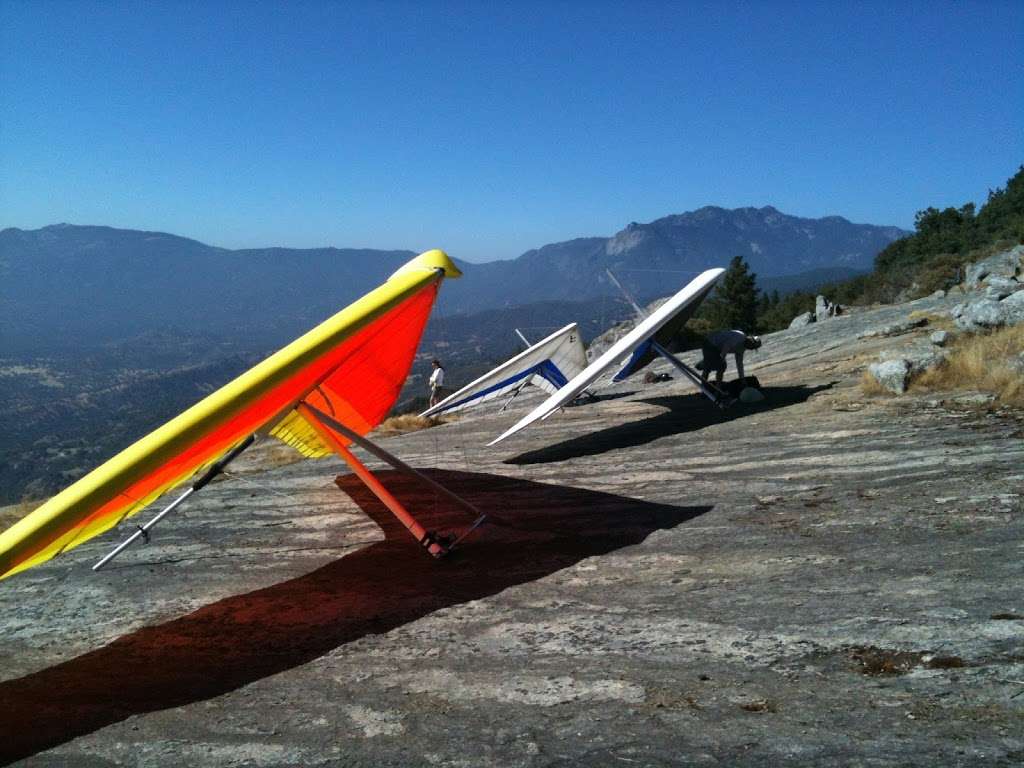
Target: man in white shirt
[
  {"x": 436, "y": 381},
  {"x": 722, "y": 343}
]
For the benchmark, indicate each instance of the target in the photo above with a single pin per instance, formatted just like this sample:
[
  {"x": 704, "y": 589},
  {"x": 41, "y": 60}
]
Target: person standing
[{"x": 436, "y": 382}]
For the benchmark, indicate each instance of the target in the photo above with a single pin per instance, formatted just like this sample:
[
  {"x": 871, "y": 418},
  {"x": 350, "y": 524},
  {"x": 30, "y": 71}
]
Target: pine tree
[{"x": 734, "y": 304}]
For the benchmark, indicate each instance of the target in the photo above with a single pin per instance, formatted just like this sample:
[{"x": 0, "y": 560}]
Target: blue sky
[{"x": 488, "y": 129}]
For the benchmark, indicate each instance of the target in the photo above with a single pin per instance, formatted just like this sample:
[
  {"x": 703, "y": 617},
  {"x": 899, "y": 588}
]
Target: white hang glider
[
  {"x": 649, "y": 339},
  {"x": 549, "y": 364}
]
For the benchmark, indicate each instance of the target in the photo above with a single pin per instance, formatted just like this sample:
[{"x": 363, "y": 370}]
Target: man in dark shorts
[{"x": 722, "y": 343}]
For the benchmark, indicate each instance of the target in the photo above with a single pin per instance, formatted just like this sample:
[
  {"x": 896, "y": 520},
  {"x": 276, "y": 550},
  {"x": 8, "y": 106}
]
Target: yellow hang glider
[{"x": 319, "y": 394}]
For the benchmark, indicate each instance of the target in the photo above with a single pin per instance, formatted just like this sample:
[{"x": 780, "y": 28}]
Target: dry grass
[
  {"x": 979, "y": 362},
  {"x": 407, "y": 422}
]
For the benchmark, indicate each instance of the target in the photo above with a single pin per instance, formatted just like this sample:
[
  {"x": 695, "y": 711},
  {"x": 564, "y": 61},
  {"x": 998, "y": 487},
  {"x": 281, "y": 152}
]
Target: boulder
[
  {"x": 918, "y": 358},
  {"x": 1016, "y": 364},
  {"x": 824, "y": 309},
  {"x": 1013, "y": 308},
  {"x": 801, "y": 320},
  {"x": 896, "y": 367},
  {"x": 892, "y": 375},
  {"x": 1004, "y": 264},
  {"x": 981, "y": 314},
  {"x": 940, "y": 338},
  {"x": 1000, "y": 287}
]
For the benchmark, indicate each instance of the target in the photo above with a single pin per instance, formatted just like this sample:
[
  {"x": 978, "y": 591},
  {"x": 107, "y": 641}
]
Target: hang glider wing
[
  {"x": 645, "y": 352},
  {"x": 548, "y": 364},
  {"x": 683, "y": 304},
  {"x": 351, "y": 367}
]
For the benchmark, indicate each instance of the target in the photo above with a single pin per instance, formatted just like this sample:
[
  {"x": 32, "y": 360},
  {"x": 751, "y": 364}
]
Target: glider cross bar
[
  {"x": 212, "y": 472},
  {"x": 436, "y": 545}
]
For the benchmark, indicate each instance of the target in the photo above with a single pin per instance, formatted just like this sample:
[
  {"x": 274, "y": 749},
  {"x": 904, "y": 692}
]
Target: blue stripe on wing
[
  {"x": 547, "y": 369},
  {"x": 630, "y": 367}
]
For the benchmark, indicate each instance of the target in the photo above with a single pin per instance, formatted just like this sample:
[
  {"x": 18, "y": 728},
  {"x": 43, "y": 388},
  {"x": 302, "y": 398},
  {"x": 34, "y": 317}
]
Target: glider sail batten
[{"x": 394, "y": 314}]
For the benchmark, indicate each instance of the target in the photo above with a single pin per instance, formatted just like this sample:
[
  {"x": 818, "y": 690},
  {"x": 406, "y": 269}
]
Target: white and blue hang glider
[
  {"x": 648, "y": 340},
  {"x": 548, "y": 364}
]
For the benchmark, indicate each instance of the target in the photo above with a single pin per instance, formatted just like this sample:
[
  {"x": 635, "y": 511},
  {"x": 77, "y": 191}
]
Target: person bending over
[{"x": 722, "y": 343}]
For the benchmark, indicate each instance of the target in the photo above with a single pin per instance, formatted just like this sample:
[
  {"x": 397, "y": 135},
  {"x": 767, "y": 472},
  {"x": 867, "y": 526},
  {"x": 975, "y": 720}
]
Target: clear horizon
[{"x": 489, "y": 130}]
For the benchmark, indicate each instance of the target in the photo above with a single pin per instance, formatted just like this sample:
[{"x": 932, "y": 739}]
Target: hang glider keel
[
  {"x": 436, "y": 544},
  {"x": 209, "y": 475}
]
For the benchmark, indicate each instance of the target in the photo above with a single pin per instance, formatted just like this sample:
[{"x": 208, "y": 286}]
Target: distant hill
[
  {"x": 655, "y": 258},
  {"x": 67, "y": 285}
]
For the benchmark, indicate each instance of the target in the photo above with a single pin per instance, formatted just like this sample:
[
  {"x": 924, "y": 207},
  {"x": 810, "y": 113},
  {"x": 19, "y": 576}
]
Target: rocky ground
[{"x": 819, "y": 579}]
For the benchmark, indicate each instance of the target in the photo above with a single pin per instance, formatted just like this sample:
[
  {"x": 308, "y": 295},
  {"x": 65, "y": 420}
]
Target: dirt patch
[
  {"x": 875, "y": 662},
  {"x": 757, "y": 706}
]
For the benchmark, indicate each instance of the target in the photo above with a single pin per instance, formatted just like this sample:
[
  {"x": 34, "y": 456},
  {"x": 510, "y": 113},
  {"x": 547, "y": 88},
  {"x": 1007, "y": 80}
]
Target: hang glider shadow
[
  {"x": 683, "y": 414},
  {"x": 239, "y": 640}
]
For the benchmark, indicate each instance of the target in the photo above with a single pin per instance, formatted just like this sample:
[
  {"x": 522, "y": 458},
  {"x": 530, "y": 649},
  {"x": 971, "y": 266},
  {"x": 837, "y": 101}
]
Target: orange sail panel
[{"x": 352, "y": 366}]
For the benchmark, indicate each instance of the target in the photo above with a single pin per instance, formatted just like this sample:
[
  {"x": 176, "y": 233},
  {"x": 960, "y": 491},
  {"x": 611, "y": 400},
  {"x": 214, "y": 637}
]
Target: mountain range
[
  {"x": 654, "y": 259},
  {"x": 68, "y": 285}
]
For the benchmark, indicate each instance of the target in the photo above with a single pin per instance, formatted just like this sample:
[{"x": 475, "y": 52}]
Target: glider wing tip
[
  {"x": 431, "y": 260},
  {"x": 502, "y": 436}
]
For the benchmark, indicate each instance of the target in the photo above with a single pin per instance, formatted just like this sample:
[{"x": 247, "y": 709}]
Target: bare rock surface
[{"x": 818, "y": 579}]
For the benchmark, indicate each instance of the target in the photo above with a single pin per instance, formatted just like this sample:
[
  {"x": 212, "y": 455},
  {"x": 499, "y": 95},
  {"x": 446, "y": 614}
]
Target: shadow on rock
[
  {"x": 242, "y": 639},
  {"x": 588, "y": 398},
  {"x": 686, "y": 413}
]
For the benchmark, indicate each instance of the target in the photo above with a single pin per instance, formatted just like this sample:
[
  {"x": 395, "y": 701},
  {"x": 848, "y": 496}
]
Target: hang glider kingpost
[{"x": 320, "y": 394}]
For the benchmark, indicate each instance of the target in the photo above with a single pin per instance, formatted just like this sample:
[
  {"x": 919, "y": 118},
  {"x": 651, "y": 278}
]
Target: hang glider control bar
[{"x": 212, "y": 472}]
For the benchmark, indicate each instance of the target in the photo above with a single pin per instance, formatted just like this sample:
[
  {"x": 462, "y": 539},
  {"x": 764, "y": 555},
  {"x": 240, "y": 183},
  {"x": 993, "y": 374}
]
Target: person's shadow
[
  {"x": 241, "y": 639},
  {"x": 685, "y": 413}
]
